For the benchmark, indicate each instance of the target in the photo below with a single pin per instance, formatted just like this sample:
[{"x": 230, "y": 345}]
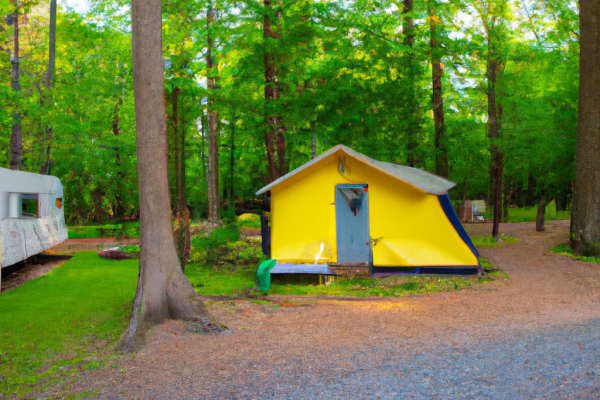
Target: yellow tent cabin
[{"x": 345, "y": 209}]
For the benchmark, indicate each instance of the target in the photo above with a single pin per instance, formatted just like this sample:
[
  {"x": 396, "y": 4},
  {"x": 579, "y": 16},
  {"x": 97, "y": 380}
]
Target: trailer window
[{"x": 29, "y": 205}]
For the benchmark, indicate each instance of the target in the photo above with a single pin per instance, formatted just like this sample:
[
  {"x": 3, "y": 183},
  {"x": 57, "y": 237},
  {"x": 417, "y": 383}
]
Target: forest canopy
[{"x": 452, "y": 87}]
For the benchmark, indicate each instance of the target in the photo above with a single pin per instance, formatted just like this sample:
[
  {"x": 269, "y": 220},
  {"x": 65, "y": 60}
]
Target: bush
[
  {"x": 529, "y": 214},
  {"x": 249, "y": 221},
  {"x": 131, "y": 249},
  {"x": 228, "y": 216},
  {"x": 223, "y": 246},
  {"x": 126, "y": 230}
]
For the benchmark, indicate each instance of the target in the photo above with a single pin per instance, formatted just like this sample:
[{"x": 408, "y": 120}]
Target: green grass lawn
[
  {"x": 63, "y": 319},
  {"x": 233, "y": 280},
  {"x": 566, "y": 250},
  {"x": 529, "y": 214},
  {"x": 489, "y": 241}
]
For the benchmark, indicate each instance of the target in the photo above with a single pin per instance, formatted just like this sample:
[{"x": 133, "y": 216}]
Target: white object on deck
[{"x": 319, "y": 253}]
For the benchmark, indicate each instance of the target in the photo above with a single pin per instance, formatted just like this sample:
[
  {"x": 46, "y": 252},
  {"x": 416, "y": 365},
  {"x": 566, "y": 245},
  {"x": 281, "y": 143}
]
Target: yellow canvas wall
[{"x": 415, "y": 229}]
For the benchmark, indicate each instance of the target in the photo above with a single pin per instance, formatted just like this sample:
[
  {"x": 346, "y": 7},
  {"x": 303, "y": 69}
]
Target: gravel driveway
[{"x": 536, "y": 336}]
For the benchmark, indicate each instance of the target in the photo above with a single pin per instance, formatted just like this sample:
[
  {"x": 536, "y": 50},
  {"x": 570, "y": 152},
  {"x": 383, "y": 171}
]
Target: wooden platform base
[{"x": 350, "y": 270}]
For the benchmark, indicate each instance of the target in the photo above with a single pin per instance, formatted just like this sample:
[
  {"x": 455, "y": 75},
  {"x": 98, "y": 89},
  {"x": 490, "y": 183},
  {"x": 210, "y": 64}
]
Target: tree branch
[{"x": 287, "y": 5}]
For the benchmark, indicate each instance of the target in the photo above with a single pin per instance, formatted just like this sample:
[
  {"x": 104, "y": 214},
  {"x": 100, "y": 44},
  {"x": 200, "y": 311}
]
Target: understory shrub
[{"x": 224, "y": 246}]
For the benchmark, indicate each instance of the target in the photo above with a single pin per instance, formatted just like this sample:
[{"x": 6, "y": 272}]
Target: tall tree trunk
[
  {"x": 497, "y": 158},
  {"x": 585, "y": 216},
  {"x": 232, "y": 159},
  {"x": 44, "y": 169},
  {"x": 463, "y": 206},
  {"x": 16, "y": 137},
  {"x": 183, "y": 213},
  {"x": 413, "y": 159},
  {"x": 181, "y": 190},
  {"x": 506, "y": 202},
  {"x": 539, "y": 219},
  {"x": 203, "y": 150},
  {"x": 163, "y": 291},
  {"x": 212, "y": 175},
  {"x": 120, "y": 209},
  {"x": 176, "y": 148},
  {"x": 274, "y": 130},
  {"x": 182, "y": 223},
  {"x": 441, "y": 146}
]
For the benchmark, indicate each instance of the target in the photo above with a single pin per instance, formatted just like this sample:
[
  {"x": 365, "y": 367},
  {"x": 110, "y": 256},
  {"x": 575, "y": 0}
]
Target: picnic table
[{"x": 118, "y": 233}]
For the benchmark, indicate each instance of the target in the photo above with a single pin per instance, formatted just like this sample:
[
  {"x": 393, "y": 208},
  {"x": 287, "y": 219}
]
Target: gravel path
[{"x": 536, "y": 336}]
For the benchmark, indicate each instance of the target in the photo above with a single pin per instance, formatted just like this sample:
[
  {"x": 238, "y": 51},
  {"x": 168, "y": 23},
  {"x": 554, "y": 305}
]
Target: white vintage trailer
[{"x": 23, "y": 235}]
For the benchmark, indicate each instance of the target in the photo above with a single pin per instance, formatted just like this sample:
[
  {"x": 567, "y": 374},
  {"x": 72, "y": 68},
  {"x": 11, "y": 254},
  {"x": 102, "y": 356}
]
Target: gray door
[{"x": 352, "y": 224}]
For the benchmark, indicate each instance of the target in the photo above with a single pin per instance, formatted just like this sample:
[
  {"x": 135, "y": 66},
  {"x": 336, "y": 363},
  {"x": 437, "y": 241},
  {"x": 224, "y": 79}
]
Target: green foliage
[
  {"x": 489, "y": 241},
  {"x": 529, "y": 214},
  {"x": 131, "y": 249},
  {"x": 225, "y": 234},
  {"x": 343, "y": 67},
  {"x": 249, "y": 221},
  {"x": 60, "y": 323},
  {"x": 224, "y": 281},
  {"x": 126, "y": 229},
  {"x": 566, "y": 250},
  {"x": 228, "y": 216},
  {"x": 239, "y": 280},
  {"x": 224, "y": 247}
]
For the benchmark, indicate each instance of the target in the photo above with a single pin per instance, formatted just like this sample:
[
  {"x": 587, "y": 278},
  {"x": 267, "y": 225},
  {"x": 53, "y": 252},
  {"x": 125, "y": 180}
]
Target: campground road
[{"x": 535, "y": 336}]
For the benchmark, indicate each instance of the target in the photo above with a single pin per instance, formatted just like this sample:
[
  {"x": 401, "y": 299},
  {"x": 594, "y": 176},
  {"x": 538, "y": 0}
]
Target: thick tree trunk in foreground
[
  {"x": 163, "y": 291},
  {"x": 16, "y": 137},
  {"x": 539, "y": 219},
  {"x": 212, "y": 173},
  {"x": 277, "y": 163},
  {"x": 585, "y": 216},
  {"x": 411, "y": 98},
  {"x": 441, "y": 147}
]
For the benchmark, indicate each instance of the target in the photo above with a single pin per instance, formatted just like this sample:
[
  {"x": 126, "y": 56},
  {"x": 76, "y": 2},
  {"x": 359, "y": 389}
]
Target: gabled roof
[{"x": 421, "y": 180}]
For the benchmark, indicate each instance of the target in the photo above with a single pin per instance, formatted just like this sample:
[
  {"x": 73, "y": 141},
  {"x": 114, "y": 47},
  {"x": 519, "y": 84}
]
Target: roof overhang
[{"x": 417, "y": 178}]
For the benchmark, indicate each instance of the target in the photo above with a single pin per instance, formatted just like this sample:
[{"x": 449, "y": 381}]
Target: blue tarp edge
[{"x": 453, "y": 218}]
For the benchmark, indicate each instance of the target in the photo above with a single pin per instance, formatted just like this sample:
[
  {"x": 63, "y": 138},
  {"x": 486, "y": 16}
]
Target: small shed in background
[{"x": 343, "y": 209}]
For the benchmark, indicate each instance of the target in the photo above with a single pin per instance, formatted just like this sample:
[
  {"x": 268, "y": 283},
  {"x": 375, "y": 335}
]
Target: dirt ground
[
  {"x": 26, "y": 272},
  {"x": 100, "y": 241},
  {"x": 534, "y": 336}
]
